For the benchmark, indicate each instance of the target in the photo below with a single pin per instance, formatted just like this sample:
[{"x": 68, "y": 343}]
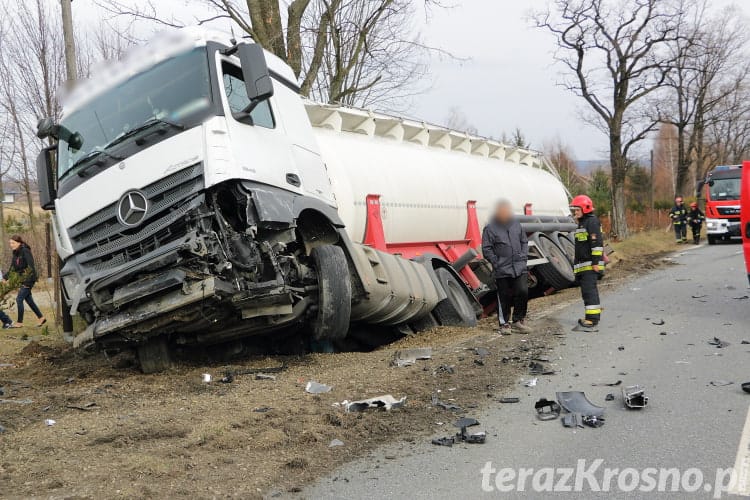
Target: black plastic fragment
[
  {"x": 609, "y": 397},
  {"x": 547, "y": 410},
  {"x": 593, "y": 421},
  {"x": 509, "y": 400},
  {"x": 716, "y": 341},
  {"x": 443, "y": 441}
]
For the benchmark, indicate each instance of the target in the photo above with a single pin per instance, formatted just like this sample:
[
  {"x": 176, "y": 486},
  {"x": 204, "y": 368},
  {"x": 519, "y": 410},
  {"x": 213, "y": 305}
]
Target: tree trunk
[
  {"x": 619, "y": 163},
  {"x": 683, "y": 162}
]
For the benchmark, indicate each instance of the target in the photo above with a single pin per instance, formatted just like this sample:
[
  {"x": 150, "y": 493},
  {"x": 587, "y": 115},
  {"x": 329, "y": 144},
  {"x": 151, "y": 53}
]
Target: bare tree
[
  {"x": 457, "y": 120},
  {"x": 347, "y": 51},
  {"x": 616, "y": 55},
  {"x": 709, "y": 67}
]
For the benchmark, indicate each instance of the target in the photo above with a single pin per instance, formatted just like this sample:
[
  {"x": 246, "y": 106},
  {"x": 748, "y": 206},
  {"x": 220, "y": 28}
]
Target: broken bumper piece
[
  {"x": 634, "y": 396},
  {"x": 577, "y": 402},
  {"x": 547, "y": 410}
]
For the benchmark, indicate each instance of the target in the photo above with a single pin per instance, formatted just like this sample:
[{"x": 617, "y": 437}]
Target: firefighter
[
  {"x": 678, "y": 214},
  {"x": 589, "y": 258},
  {"x": 695, "y": 218}
]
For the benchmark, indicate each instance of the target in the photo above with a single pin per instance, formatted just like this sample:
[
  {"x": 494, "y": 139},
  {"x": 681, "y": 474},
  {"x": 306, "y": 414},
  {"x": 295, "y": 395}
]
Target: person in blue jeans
[{"x": 22, "y": 263}]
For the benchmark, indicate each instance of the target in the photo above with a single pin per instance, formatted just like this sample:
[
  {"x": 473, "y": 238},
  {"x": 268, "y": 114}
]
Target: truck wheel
[
  {"x": 332, "y": 319},
  {"x": 711, "y": 240},
  {"x": 154, "y": 355},
  {"x": 558, "y": 272},
  {"x": 565, "y": 242},
  {"x": 455, "y": 309}
]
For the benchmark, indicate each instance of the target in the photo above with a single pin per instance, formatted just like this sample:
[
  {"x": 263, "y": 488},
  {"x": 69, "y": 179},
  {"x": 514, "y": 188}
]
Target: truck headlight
[
  {"x": 710, "y": 224},
  {"x": 70, "y": 282}
]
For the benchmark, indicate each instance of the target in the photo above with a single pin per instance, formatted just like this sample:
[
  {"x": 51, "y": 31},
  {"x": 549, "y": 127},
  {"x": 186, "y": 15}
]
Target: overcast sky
[{"x": 508, "y": 81}]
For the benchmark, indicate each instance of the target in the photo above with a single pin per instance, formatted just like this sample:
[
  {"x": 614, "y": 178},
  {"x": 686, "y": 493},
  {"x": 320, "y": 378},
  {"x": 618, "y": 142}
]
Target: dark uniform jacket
[
  {"x": 695, "y": 217},
  {"x": 589, "y": 244},
  {"x": 21, "y": 263},
  {"x": 506, "y": 247},
  {"x": 678, "y": 215}
]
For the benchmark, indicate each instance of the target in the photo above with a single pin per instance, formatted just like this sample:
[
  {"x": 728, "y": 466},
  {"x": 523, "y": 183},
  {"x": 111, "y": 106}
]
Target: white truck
[{"x": 198, "y": 199}]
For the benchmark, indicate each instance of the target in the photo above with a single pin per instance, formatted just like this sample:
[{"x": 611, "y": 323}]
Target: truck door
[
  {"x": 259, "y": 145},
  {"x": 745, "y": 214}
]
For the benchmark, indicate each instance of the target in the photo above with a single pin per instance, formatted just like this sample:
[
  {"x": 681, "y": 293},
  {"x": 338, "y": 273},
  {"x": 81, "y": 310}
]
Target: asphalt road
[{"x": 689, "y": 424}]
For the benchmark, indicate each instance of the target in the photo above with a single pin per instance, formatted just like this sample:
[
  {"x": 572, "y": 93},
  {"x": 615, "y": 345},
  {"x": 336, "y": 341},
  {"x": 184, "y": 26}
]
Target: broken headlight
[{"x": 70, "y": 282}]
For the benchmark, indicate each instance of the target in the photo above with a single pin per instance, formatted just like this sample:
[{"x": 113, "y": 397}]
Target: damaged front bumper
[{"x": 171, "y": 302}]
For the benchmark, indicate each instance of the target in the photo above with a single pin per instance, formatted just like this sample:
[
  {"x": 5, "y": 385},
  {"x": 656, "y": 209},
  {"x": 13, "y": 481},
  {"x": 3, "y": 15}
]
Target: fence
[{"x": 639, "y": 221}]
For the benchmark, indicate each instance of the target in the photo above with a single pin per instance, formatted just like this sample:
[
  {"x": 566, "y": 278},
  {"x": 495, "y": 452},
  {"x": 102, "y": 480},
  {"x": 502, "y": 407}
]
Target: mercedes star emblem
[{"x": 132, "y": 208}]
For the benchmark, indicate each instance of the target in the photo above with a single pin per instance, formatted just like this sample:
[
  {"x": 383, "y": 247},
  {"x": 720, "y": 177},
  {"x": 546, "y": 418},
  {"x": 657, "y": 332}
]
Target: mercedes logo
[{"x": 132, "y": 208}]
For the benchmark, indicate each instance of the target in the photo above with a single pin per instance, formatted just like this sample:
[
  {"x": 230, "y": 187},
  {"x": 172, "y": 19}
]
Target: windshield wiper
[
  {"x": 141, "y": 128},
  {"x": 86, "y": 158}
]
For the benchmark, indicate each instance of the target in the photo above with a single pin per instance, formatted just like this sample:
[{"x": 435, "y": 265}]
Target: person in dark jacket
[
  {"x": 22, "y": 264},
  {"x": 695, "y": 218},
  {"x": 588, "y": 264},
  {"x": 678, "y": 214},
  {"x": 506, "y": 247}
]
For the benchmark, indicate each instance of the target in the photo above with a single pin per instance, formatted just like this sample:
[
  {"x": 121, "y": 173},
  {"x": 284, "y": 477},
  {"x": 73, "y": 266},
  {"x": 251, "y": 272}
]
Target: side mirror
[
  {"x": 46, "y": 127},
  {"x": 255, "y": 73},
  {"x": 711, "y": 183},
  {"x": 45, "y": 170}
]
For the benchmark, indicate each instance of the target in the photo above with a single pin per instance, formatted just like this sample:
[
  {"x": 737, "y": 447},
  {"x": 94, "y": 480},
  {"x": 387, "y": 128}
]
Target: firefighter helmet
[
  {"x": 584, "y": 203},
  {"x": 694, "y": 205}
]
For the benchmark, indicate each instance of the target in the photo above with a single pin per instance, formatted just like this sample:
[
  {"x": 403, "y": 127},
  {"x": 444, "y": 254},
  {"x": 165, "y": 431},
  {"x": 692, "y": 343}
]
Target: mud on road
[{"x": 119, "y": 432}]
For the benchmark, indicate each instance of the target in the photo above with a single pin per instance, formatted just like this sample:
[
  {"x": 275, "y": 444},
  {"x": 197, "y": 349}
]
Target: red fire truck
[
  {"x": 721, "y": 189},
  {"x": 745, "y": 224}
]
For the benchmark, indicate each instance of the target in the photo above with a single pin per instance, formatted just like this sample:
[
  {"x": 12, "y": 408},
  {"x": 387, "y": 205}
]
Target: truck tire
[
  {"x": 558, "y": 272},
  {"x": 334, "y": 311},
  {"x": 711, "y": 240},
  {"x": 154, "y": 355},
  {"x": 565, "y": 242},
  {"x": 455, "y": 309}
]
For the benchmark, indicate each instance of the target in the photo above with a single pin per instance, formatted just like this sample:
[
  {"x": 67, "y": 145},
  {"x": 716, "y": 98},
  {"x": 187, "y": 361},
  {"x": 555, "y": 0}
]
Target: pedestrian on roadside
[
  {"x": 678, "y": 214},
  {"x": 506, "y": 247},
  {"x": 695, "y": 218},
  {"x": 588, "y": 264},
  {"x": 22, "y": 264}
]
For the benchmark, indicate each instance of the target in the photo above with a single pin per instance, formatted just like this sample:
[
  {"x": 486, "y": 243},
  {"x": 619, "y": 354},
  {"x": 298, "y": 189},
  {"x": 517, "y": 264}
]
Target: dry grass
[{"x": 652, "y": 242}]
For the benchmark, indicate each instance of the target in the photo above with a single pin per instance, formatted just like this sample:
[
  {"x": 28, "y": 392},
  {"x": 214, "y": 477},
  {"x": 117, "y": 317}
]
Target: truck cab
[
  {"x": 721, "y": 190},
  {"x": 745, "y": 214}
]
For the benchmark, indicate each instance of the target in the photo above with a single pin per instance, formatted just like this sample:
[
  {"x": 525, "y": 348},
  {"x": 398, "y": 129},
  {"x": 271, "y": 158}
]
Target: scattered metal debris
[
  {"x": 663, "y": 333},
  {"x": 529, "y": 383},
  {"x": 509, "y": 400},
  {"x": 443, "y": 441},
  {"x": 536, "y": 368},
  {"x": 264, "y": 376},
  {"x": 335, "y": 442},
  {"x": 316, "y": 388},
  {"x": 449, "y": 369},
  {"x": 473, "y": 438},
  {"x": 746, "y": 387},
  {"x": 262, "y": 409},
  {"x": 658, "y": 323},
  {"x": 228, "y": 378},
  {"x": 572, "y": 420},
  {"x": 742, "y": 297},
  {"x": 718, "y": 343},
  {"x": 577, "y": 402},
  {"x": 699, "y": 296},
  {"x": 604, "y": 384},
  {"x": 386, "y": 402},
  {"x": 593, "y": 421},
  {"x": 634, "y": 396},
  {"x": 546, "y": 409},
  {"x": 84, "y": 407},
  {"x": 16, "y": 401},
  {"x": 609, "y": 397},
  {"x": 744, "y": 342},
  {"x": 621, "y": 348},
  {"x": 444, "y": 406},
  {"x": 481, "y": 352},
  {"x": 720, "y": 383},
  {"x": 49, "y": 422},
  {"x": 408, "y": 357},
  {"x": 206, "y": 377}
]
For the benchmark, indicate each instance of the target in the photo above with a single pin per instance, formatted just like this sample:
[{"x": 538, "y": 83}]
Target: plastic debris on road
[
  {"x": 313, "y": 387},
  {"x": 408, "y": 357},
  {"x": 577, "y": 402},
  {"x": 385, "y": 402},
  {"x": 634, "y": 396}
]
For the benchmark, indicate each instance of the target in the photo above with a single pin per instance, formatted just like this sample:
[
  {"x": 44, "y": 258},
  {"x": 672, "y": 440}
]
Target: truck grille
[
  {"x": 728, "y": 210},
  {"x": 101, "y": 242}
]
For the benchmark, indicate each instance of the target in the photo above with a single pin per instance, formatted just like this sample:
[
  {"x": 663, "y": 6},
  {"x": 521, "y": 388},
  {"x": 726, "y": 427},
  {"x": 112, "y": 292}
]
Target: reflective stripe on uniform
[
  {"x": 594, "y": 309},
  {"x": 597, "y": 251},
  {"x": 581, "y": 234}
]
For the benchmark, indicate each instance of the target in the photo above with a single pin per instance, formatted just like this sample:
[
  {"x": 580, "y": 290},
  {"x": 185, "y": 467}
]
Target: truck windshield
[
  {"x": 176, "y": 91},
  {"x": 725, "y": 189}
]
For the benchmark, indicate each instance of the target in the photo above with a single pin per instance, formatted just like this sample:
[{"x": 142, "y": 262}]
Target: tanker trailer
[{"x": 198, "y": 200}]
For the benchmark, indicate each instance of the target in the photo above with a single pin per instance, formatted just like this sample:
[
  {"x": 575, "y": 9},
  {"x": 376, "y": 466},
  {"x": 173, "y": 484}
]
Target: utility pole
[
  {"x": 70, "y": 43},
  {"x": 71, "y": 73},
  {"x": 651, "y": 194}
]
